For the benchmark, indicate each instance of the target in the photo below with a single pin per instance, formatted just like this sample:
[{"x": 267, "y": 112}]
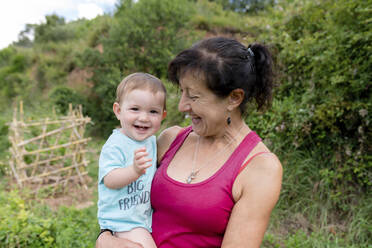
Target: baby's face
[{"x": 140, "y": 113}]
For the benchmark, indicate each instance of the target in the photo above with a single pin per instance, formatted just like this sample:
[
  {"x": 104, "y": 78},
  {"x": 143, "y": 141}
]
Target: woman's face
[{"x": 207, "y": 111}]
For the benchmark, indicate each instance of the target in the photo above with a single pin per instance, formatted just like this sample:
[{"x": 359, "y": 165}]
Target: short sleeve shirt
[{"x": 128, "y": 207}]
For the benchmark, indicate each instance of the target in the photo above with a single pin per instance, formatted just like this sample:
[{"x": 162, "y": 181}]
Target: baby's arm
[{"x": 121, "y": 177}]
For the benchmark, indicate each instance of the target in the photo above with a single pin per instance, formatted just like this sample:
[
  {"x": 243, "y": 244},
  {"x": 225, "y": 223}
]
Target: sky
[{"x": 15, "y": 14}]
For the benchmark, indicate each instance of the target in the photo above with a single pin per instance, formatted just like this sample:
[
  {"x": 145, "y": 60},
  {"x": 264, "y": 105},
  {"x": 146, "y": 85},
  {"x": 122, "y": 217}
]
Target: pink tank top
[{"x": 195, "y": 215}]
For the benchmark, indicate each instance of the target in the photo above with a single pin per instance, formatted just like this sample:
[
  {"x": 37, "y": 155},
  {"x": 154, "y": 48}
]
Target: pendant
[{"x": 191, "y": 177}]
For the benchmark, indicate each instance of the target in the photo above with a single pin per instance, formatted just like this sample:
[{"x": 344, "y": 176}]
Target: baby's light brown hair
[{"x": 139, "y": 80}]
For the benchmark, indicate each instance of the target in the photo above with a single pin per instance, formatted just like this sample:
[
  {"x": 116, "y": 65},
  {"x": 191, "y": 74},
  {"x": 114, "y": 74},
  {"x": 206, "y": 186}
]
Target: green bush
[
  {"x": 211, "y": 17},
  {"x": 54, "y": 29},
  {"x": 99, "y": 30},
  {"x": 13, "y": 79},
  {"x": 62, "y": 96},
  {"x": 244, "y": 6},
  {"x": 144, "y": 37},
  {"x": 25, "y": 225},
  {"x": 325, "y": 97}
]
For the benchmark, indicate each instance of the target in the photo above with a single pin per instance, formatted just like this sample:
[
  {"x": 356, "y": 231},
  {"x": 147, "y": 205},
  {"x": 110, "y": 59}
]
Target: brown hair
[
  {"x": 139, "y": 80},
  {"x": 226, "y": 64}
]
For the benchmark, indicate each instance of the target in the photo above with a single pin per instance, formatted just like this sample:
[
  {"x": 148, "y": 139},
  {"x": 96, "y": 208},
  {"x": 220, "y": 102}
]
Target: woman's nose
[{"x": 183, "y": 105}]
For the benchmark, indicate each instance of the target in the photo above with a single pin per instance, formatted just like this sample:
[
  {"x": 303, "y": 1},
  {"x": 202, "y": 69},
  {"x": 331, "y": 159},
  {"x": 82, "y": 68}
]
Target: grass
[{"x": 305, "y": 215}]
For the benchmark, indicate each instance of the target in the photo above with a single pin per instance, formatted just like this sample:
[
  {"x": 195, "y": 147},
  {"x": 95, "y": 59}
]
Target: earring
[{"x": 228, "y": 120}]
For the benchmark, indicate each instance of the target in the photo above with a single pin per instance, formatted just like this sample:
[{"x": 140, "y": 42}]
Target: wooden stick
[
  {"x": 70, "y": 109},
  {"x": 61, "y": 181},
  {"x": 57, "y": 147},
  {"x": 47, "y": 134},
  {"x": 56, "y": 171},
  {"x": 19, "y": 181},
  {"x": 21, "y": 111},
  {"x": 40, "y": 146},
  {"x": 77, "y": 168},
  {"x": 39, "y": 123},
  {"x": 51, "y": 159}
]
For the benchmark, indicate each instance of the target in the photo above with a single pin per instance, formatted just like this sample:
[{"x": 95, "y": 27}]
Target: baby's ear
[
  {"x": 116, "y": 109},
  {"x": 164, "y": 114}
]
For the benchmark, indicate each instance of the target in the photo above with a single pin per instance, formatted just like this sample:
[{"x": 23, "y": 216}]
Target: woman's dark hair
[{"x": 228, "y": 65}]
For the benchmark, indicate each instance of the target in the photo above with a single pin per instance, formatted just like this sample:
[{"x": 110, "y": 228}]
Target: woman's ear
[
  {"x": 116, "y": 109},
  {"x": 235, "y": 98}
]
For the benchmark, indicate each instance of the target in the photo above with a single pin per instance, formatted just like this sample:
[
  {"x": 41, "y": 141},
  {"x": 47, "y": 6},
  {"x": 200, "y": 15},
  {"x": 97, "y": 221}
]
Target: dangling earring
[{"x": 228, "y": 120}]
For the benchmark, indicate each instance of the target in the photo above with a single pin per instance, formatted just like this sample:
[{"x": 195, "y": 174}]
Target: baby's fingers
[
  {"x": 142, "y": 161},
  {"x": 139, "y": 153},
  {"x": 145, "y": 165}
]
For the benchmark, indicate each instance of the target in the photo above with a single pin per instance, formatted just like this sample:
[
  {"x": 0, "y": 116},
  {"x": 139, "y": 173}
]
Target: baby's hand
[{"x": 140, "y": 161}]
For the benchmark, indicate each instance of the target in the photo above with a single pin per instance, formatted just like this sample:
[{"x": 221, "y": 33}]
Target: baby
[{"x": 127, "y": 162}]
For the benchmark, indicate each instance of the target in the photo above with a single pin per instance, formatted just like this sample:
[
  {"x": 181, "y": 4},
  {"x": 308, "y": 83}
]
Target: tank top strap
[
  {"x": 245, "y": 147},
  {"x": 175, "y": 145},
  {"x": 249, "y": 160},
  {"x": 241, "y": 153}
]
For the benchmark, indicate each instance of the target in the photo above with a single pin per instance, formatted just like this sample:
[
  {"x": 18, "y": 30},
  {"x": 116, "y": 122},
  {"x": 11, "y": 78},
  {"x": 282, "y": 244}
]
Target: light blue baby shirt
[{"x": 129, "y": 207}]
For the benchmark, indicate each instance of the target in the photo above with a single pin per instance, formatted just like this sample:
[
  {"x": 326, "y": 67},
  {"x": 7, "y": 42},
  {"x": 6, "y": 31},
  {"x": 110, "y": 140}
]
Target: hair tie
[
  {"x": 251, "y": 64},
  {"x": 250, "y": 51}
]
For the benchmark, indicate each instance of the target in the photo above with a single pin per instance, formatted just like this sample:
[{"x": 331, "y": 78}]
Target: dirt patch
[
  {"x": 74, "y": 195},
  {"x": 79, "y": 80},
  {"x": 78, "y": 197}
]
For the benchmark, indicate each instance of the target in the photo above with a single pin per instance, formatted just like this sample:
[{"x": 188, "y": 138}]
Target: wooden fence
[{"x": 49, "y": 152}]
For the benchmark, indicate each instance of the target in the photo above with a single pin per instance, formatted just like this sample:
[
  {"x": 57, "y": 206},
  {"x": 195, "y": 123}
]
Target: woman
[{"x": 217, "y": 183}]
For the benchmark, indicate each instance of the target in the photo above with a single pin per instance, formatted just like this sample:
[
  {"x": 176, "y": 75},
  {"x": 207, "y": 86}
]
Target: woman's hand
[{"x": 106, "y": 240}]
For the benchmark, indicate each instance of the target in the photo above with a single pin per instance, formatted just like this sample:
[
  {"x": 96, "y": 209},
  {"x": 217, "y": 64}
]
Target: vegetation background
[{"x": 319, "y": 124}]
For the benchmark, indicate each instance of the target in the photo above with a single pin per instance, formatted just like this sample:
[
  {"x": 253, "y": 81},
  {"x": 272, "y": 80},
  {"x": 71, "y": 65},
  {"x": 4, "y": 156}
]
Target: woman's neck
[{"x": 231, "y": 134}]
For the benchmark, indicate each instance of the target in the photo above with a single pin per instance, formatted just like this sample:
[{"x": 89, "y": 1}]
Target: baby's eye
[
  {"x": 154, "y": 111},
  {"x": 134, "y": 109}
]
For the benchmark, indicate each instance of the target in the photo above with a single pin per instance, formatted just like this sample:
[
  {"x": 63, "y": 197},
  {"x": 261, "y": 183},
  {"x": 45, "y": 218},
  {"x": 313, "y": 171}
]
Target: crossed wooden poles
[{"x": 49, "y": 152}]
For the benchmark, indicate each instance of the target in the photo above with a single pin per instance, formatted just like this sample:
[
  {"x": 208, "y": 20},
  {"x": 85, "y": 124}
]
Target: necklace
[{"x": 194, "y": 171}]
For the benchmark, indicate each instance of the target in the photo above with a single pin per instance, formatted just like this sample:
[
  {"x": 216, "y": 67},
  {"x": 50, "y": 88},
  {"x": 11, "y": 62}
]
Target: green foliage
[
  {"x": 49, "y": 72},
  {"x": 144, "y": 37},
  {"x": 325, "y": 96},
  {"x": 62, "y": 96},
  {"x": 4, "y": 143},
  {"x": 174, "y": 117},
  {"x": 211, "y": 17},
  {"x": 245, "y": 6},
  {"x": 78, "y": 228},
  {"x": 13, "y": 80},
  {"x": 19, "y": 227},
  {"x": 54, "y": 29},
  {"x": 24, "y": 225},
  {"x": 99, "y": 30}
]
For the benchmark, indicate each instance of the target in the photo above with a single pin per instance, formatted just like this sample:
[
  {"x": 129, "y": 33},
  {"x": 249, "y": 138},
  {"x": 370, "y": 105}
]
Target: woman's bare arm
[{"x": 256, "y": 191}]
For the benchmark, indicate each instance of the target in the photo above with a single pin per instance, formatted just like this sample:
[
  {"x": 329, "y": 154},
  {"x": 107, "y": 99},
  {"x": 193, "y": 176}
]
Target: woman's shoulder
[
  {"x": 264, "y": 172},
  {"x": 169, "y": 134},
  {"x": 166, "y": 138}
]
